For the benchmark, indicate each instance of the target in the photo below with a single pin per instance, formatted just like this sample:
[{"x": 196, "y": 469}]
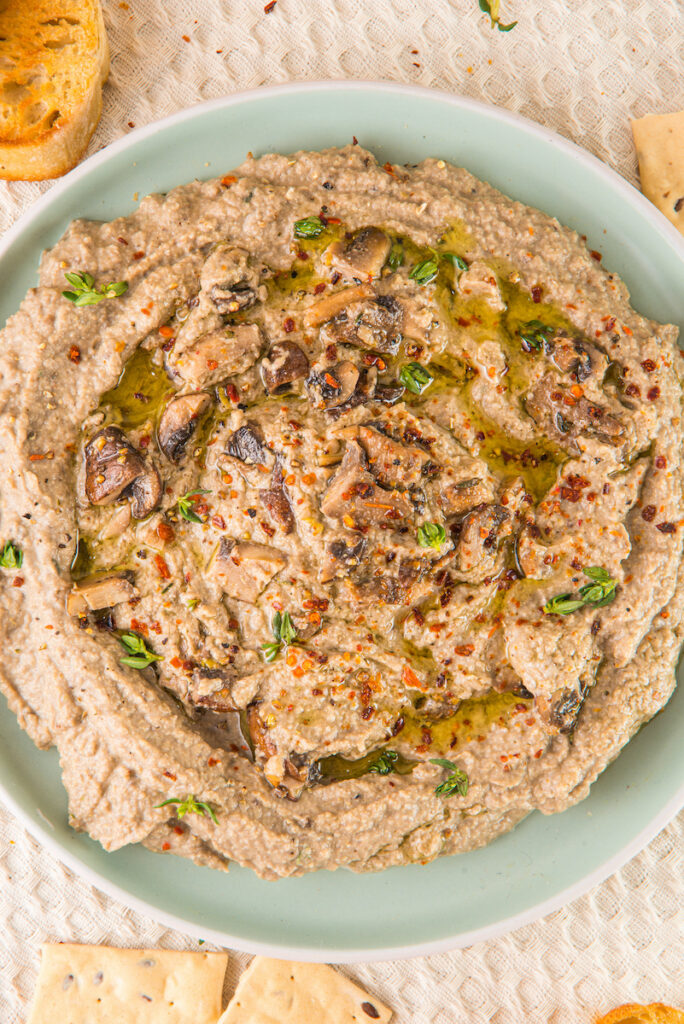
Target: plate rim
[{"x": 540, "y": 909}]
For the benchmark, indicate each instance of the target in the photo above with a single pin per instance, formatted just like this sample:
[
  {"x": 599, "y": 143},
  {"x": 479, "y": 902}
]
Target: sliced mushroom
[
  {"x": 481, "y": 531},
  {"x": 559, "y": 413},
  {"x": 331, "y": 305},
  {"x": 118, "y": 522},
  {"x": 210, "y": 688},
  {"x": 354, "y": 496},
  {"x": 146, "y": 492},
  {"x": 463, "y": 495},
  {"x": 244, "y": 570},
  {"x": 276, "y": 501},
  {"x": 111, "y": 464},
  {"x": 334, "y": 386},
  {"x": 388, "y": 394},
  {"x": 247, "y": 445},
  {"x": 231, "y": 298},
  {"x": 179, "y": 421},
  {"x": 258, "y": 732},
  {"x": 219, "y": 354},
  {"x": 392, "y": 463},
  {"x": 344, "y": 555},
  {"x": 570, "y": 355},
  {"x": 375, "y": 324},
  {"x": 103, "y": 592},
  {"x": 363, "y": 255},
  {"x": 284, "y": 364}
]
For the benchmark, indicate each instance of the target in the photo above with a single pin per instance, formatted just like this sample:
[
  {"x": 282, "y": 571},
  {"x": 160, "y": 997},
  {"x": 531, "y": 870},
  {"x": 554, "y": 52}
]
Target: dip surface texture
[{"x": 337, "y": 470}]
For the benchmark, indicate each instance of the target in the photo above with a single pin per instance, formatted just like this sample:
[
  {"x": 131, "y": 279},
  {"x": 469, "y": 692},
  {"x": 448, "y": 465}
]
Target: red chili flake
[
  {"x": 75, "y": 354},
  {"x": 176, "y": 662},
  {"x": 227, "y": 180},
  {"x": 660, "y": 461},
  {"x": 289, "y": 325},
  {"x": 145, "y": 440},
  {"x": 122, "y": 240},
  {"x": 219, "y": 522},
  {"x": 653, "y": 393},
  {"x": 268, "y": 530},
  {"x": 166, "y": 331},
  {"x": 18, "y": 581},
  {"x": 335, "y": 278},
  {"x": 232, "y": 393},
  {"x": 169, "y": 775},
  {"x": 162, "y": 567},
  {"x": 212, "y": 364},
  {"x": 316, "y": 692},
  {"x": 165, "y": 532},
  {"x": 178, "y": 830},
  {"x": 168, "y": 345},
  {"x": 319, "y": 288},
  {"x": 302, "y": 255},
  {"x": 666, "y": 527},
  {"x": 138, "y": 255},
  {"x": 367, "y": 713},
  {"x": 464, "y": 650},
  {"x": 270, "y": 6},
  {"x": 355, "y": 141},
  {"x": 596, "y": 255},
  {"x": 166, "y": 846},
  {"x": 633, "y": 390},
  {"x": 213, "y": 760},
  {"x": 387, "y": 167},
  {"x": 536, "y": 293},
  {"x": 186, "y": 38},
  {"x": 610, "y": 324},
  {"x": 648, "y": 365}
]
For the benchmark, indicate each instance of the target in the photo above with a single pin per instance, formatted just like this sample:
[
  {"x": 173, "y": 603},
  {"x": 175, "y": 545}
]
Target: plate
[{"x": 546, "y": 861}]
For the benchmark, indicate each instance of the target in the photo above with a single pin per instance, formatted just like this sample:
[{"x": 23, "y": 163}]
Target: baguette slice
[{"x": 54, "y": 59}]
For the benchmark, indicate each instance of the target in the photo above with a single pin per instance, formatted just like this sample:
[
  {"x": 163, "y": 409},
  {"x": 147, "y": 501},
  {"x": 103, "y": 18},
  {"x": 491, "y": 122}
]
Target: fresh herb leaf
[
  {"x": 425, "y": 271},
  {"x": 457, "y": 261},
  {"x": 192, "y": 604},
  {"x": 384, "y": 763},
  {"x": 86, "y": 293},
  {"x": 396, "y": 256},
  {"x": 456, "y": 781},
  {"x": 506, "y": 28},
  {"x": 186, "y": 502},
  {"x": 284, "y": 632},
  {"x": 308, "y": 227},
  {"x": 431, "y": 535},
  {"x": 563, "y": 604},
  {"x": 11, "y": 556},
  {"x": 190, "y": 806},
  {"x": 533, "y": 334},
  {"x": 598, "y": 593},
  {"x": 415, "y": 378},
  {"x": 139, "y": 656}
]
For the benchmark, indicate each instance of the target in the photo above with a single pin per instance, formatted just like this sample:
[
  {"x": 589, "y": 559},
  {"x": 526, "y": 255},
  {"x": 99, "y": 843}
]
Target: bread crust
[{"x": 54, "y": 151}]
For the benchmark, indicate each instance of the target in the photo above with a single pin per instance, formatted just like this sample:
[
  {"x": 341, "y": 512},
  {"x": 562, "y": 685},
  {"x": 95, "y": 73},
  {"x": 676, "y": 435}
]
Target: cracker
[
  {"x": 659, "y": 141},
  {"x": 101, "y": 985},
  {"x": 284, "y": 992},
  {"x": 635, "y": 1013}
]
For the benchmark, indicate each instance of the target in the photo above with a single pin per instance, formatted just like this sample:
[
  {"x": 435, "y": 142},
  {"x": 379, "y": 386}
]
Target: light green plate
[{"x": 547, "y": 860}]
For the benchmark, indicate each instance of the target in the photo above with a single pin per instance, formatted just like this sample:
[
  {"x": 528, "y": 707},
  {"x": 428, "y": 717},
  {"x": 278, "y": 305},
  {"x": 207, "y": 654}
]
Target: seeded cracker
[
  {"x": 283, "y": 992},
  {"x": 101, "y": 985},
  {"x": 659, "y": 141}
]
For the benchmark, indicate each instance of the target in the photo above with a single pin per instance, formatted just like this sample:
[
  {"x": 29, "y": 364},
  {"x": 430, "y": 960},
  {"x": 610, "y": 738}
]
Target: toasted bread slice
[
  {"x": 635, "y": 1013},
  {"x": 54, "y": 59}
]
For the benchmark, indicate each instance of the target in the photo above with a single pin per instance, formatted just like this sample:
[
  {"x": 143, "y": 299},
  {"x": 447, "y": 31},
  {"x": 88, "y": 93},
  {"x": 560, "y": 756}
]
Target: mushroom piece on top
[
  {"x": 111, "y": 465},
  {"x": 179, "y": 421}
]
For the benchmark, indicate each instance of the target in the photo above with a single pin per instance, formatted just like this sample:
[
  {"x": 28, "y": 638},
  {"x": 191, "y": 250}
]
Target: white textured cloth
[{"x": 580, "y": 67}]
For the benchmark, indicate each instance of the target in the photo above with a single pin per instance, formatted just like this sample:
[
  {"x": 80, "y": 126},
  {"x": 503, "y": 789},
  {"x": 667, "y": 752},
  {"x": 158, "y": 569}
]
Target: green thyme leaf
[
  {"x": 456, "y": 781},
  {"x": 431, "y": 535},
  {"x": 599, "y": 593},
  {"x": 506, "y": 28},
  {"x": 139, "y": 656},
  {"x": 284, "y": 632},
  {"x": 185, "y": 503},
  {"x": 563, "y": 604},
  {"x": 384, "y": 763},
  {"x": 191, "y": 805},
  {"x": 492, "y": 9},
  {"x": 85, "y": 292},
  {"x": 533, "y": 334},
  {"x": 308, "y": 227},
  {"x": 425, "y": 271},
  {"x": 11, "y": 556},
  {"x": 415, "y": 378},
  {"x": 457, "y": 261},
  {"x": 396, "y": 256}
]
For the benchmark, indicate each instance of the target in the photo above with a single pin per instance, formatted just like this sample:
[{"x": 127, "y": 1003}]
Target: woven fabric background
[{"x": 580, "y": 67}]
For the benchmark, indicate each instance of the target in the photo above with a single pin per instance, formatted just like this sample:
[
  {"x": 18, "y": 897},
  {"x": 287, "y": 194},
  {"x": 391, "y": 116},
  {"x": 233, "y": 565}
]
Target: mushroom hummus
[{"x": 340, "y": 515}]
